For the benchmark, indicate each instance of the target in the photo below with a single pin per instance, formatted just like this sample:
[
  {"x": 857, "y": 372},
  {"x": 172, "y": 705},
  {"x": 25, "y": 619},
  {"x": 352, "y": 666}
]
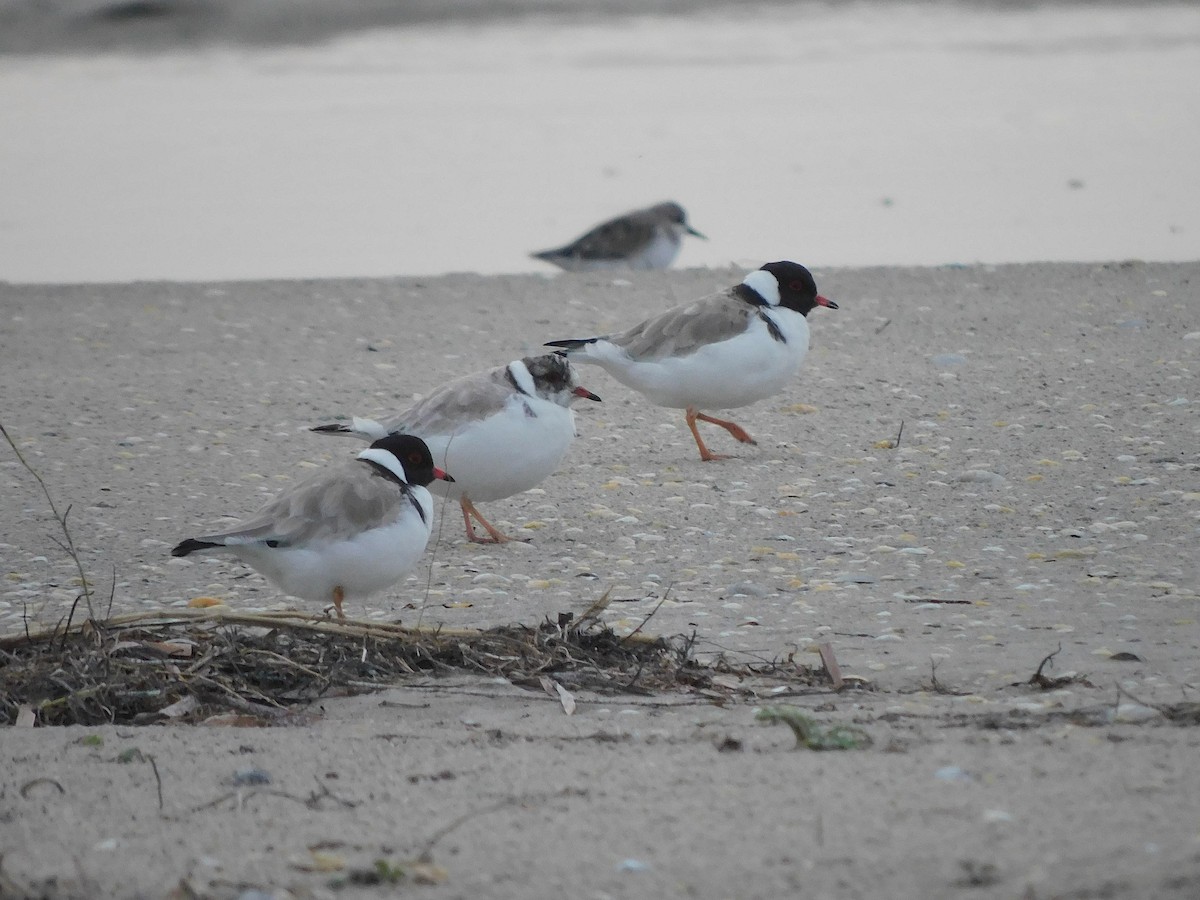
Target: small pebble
[
  {"x": 250, "y": 777},
  {"x": 945, "y": 360},
  {"x": 953, "y": 773}
]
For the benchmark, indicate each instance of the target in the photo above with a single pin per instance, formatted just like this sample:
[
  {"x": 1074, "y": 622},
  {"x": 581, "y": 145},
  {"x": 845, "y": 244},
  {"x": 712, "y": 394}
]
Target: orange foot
[
  {"x": 496, "y": 536},
  {"x": 732, "y": 427}
]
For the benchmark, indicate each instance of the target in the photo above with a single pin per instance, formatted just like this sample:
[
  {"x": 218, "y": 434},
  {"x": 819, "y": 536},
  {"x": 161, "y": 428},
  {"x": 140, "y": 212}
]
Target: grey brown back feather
[
  {"x": 612, "y": 240},
  {"x": 327, "y": 506},
  {"x": 477, "y": 395},
  {"x": 685, "y": 329}
]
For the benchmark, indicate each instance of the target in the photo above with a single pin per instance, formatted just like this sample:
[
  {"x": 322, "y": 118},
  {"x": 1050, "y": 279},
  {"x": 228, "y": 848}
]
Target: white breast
[
  {"x": 504, "y": 454},
  {"x": 659, "y": 253}
]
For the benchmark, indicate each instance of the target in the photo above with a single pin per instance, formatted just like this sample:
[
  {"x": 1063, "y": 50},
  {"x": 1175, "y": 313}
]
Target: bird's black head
[
  {"x": 413, "y": 457},
  {"x": 797, "y": 289}
]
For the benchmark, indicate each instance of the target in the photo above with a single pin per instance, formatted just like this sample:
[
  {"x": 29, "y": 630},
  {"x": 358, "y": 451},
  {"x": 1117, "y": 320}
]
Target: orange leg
[
  {"x": 338, "y": 596},
  {"x": 733, "y": 428},
  {"x": 738, "y": 432},
  {"x": 497, "y": 536}
]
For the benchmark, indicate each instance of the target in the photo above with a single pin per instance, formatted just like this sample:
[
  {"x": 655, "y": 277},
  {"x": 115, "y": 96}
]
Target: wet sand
[{"x": 863, "y": 134}]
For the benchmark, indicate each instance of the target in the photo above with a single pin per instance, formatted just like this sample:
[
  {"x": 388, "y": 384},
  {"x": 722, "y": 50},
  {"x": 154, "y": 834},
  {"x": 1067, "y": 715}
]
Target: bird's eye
[
  {"x": 796, "y": 286},
  {"x": 414, "y": 457}
]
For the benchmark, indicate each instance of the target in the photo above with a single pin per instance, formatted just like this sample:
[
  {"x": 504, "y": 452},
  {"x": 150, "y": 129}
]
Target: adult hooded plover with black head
[
  {"x": 346, "y": 532},
  {"x": 729, "y": 349}
]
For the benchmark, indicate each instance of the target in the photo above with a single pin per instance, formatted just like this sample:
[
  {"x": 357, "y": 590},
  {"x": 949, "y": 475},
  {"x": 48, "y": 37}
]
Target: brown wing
[
  {"x": 455, "y": 404},
  {"x": 682, "y": 330},
  {"x": 615, "y": 239},
  {"x": 335, "y": 503}
]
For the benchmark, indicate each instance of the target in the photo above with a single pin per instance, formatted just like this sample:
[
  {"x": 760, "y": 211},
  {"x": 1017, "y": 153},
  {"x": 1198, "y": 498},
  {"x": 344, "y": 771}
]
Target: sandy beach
[{"x": 1045, "y": 493}]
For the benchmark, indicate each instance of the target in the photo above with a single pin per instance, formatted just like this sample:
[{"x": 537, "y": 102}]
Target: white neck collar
[
  {"x": 386, "y": 459},
  {"x": 764, "y": 284},
  {"x": 520, "y": 374}
]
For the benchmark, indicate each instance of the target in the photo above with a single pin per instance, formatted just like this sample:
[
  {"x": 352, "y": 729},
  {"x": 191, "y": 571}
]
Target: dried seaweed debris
[{"x": 190, "y": 665}]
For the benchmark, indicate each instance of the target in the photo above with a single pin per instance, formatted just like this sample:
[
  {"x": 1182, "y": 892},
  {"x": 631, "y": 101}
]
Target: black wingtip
[
  {"x": 191, "y": 545},
  {"x": 569, "y": 344},
  {"x": 330, "y": 429}
]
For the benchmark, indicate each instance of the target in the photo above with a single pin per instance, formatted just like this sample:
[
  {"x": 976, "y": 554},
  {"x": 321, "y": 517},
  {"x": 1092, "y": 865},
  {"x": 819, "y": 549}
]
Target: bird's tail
[
  {"x": 570, "y": 344},
  {"x": 191, "y": 545},
  {"x": 363, "y": 429}
]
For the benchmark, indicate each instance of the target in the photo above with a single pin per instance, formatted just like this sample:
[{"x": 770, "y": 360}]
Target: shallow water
[{"x": 852, "y": 135}]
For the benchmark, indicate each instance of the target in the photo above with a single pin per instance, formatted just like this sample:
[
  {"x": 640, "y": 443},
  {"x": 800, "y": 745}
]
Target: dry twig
[{"x": 61, "y": 518}]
